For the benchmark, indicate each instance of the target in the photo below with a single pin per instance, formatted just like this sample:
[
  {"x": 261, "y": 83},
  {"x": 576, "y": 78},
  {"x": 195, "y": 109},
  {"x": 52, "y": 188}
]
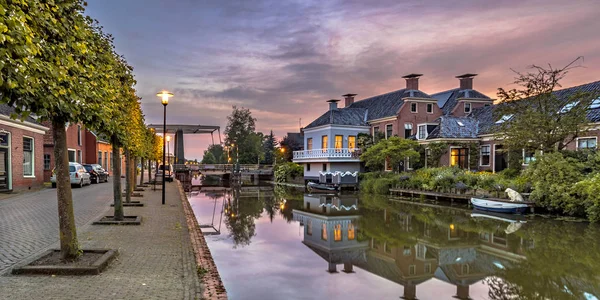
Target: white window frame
[
  {"x": 585, "y": 138},
  {"x": 412, "y": 270},
  {"x": 524, "y": 163},
  {"x": 79, "y": 139},
  {"x": 481, "y": 155},
  {"x": 465, "y": 107},
  {"x": 427, "y": 108},
  {"x": 386, "y": 130},
  {"x": 405, "y": 128},
  {"x": 75, "y": 155},
  {"x": 309, "y": 146},
  {"x": 49, "y": 162},
  {"x": 426, "y": 133},
  {"x": 32, "y": 158},
  {"x": 416, "y": 107},
  {"x": 79, "y": 154}
]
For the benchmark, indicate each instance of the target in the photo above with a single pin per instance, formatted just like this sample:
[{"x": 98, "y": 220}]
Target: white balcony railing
[{"x": 328, "y": 153}]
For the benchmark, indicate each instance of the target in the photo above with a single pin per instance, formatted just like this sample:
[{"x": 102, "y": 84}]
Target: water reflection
[{"x": 421, "y": 248}]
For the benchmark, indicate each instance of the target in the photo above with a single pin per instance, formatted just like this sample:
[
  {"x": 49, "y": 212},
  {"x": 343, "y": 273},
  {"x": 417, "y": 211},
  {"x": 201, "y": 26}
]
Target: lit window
[
  {"x": 351, "y": 231},
  {"x": 528, "y": 156},
  {"x": 324, "y": 232},
  {"x": 504, "y": 119},
  {"x": 352, "y": 142},
  {"x": 309, "y": 227},
  {"x": 587, "y": 143},
  {"x": 324, "y": 141},
  {"x": 407, "y": 130},
  {"x": 337, "y": 233},
  {"x": 485, "y": 155},
  {"x": 413, "y": 107},
  {"x": 459, "y": 157},
  {"x": 467, "y": 107},
  {"x": 309, "y": 144},
  {"x": 339, "y": 140},
  {"x": 28, "y": 158},
  {"x": 429, "y": 108}
]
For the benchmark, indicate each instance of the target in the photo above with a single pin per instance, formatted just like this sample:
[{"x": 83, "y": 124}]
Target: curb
[{"x": 207, "y": 270}]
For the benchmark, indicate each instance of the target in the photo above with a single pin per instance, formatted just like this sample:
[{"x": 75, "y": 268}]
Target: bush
[
  {"x": 288, "y": 170},
  {"x": 589, "y": 191}
]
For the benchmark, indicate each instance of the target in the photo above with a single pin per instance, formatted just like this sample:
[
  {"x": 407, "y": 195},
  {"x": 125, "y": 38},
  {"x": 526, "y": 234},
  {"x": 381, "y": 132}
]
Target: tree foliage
[
  {"x": 269, "y": 148},
  {"x": 215, "y": 154},
  {"x": 537, "y": 118},
  {"x": 395, "y": 150},
  {"x": 240, "y": 133}
]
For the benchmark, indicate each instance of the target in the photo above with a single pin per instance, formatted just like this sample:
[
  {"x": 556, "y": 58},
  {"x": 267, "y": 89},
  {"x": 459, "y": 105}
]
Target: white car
[
  {"x": 169, "y": 172},
  {"x": 77, "y": 173}
]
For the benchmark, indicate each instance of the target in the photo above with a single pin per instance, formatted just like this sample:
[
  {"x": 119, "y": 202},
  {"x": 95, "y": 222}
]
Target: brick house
[
  {"x": 21, "y": 152},
  {"x": 461, "y": 117},
  {"x": 75, "y": 146}
]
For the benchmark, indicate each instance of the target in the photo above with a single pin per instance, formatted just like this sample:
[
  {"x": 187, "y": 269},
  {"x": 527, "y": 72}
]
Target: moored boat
[
  {"x": 499, "y": 206},
  {"x": 321, "y": 188}
]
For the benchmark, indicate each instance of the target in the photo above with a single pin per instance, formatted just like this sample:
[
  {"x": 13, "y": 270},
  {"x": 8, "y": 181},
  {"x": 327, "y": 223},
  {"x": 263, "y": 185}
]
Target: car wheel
[
  {"x": 80, "y": 184},
  {"x": 54, "y": 185}
]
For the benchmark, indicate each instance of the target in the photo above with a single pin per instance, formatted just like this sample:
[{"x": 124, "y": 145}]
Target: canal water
[{"x": 277, "y": 243}]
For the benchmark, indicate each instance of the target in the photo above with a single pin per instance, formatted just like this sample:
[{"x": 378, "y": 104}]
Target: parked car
[
  {"x": 97, "y": 173},
  {"x": 77, "y": 173},
  {"x": 168, "y": 173}
]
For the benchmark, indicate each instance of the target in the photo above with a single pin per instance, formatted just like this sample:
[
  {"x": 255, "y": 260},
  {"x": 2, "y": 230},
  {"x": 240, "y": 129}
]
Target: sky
[{"x": 284, "y": 59}]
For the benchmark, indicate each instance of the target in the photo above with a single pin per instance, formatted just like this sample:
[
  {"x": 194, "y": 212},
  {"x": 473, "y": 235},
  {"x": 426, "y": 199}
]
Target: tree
[
  {"x": 215, "y": 154},
  {"x": 290, "y": 145},
  {"x": 269, "y": 148},
  {"x": 240, "y": 134},
  {"x": 535, "y": 117},
  {"x": 393, "y": 150},
  {"x": 208, "y": 158}
]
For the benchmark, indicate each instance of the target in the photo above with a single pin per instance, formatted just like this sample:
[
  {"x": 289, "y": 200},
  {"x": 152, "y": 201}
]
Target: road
[{"x": 29, "y": 222}]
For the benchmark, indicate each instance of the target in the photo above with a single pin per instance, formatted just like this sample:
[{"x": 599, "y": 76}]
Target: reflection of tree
[
  {"x": 240, "y": 217},
  {"x": 293, "y": 198}
]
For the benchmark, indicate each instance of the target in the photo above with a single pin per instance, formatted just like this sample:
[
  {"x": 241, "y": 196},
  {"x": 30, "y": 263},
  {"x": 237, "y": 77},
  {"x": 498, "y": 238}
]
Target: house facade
[
  {"x": 21, "y": 152},
  {"x": 461, "y": 118}
]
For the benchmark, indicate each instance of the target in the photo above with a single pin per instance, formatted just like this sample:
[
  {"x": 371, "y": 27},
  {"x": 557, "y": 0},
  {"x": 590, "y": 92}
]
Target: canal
[{"x": 278, "y": 243}]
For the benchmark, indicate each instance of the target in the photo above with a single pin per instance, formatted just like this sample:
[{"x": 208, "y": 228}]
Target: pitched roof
[
  {"x": 341, "y": 116},
  {"x": 6, "y": 110},
  {"x": 447, "y": 100},
  {"x": 450, "y": 127}
]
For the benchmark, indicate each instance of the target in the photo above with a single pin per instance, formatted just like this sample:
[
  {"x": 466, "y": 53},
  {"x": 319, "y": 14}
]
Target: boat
[
  {"x": 321, "y": 188},
  {"x": 499, "y": 206}
]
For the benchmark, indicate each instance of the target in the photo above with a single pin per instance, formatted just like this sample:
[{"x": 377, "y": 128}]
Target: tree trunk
[
  {"x": 116, "y": 163},
  {"x": 133, "y": 173},
  {"x": 127, "y": 176},
  {"x": 69, "y": 247},
  {"x": 150, "y": 170},
  {"x": 142, "y": 171}
]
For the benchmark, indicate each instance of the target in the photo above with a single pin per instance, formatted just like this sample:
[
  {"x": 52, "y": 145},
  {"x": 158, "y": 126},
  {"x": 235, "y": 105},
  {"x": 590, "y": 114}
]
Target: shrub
[
  {"x": 288, "y": 170},
  {"x": 589, "y": 192}
]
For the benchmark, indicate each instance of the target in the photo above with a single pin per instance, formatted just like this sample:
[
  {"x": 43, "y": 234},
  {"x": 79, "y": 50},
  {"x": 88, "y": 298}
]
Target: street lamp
[
  {"x": 164, "y": 96},
  {"x": 168, "y": 148}
]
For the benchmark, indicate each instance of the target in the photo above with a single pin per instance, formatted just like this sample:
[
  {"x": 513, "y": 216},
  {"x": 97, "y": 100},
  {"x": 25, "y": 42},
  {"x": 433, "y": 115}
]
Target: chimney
[
  {"x": 466, "y": 81},
  {"x": 412, "y": 81},
  {"x": 349, "y": 99},
  {"x": 333, "y": 104}
]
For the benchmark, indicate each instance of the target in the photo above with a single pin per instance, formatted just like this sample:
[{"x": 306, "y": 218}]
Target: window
[
  {"x": 351, "y": 231},
  {"x": 324, "y": 167},
  {"x": 528, "y": 156},
  {"x": 467, "y": 107},
  {"x": 47, "y": 162},
  {"x": 308, "y": 167},
  {"x": 324, "y": 140},
  {"x": 407, "y": 130},
  {"x": 112, "y": 162},
  {"x": 324, "y": 231},
  {"x": 375, "y": 130},
  {"x": 100, "y": 157},
  {"x": 421, "y": 250},
  {"x": 388, "y": 131},
  {"x": 504, "y": 119},
  {"x": 422, "y": 132},
  {"x": 79, "y": 135},
  {"x": 459, "y": 157},
  {"x": 309, "y": 144},
  {"x": 413, "y": 107},
  {"x": 427, "y": 269},
  {"x": 339, "y": 141},
  {"x": 465, "y": 269},
  {"x": 105, "y": 161},
  {"x": 337, "y": 233},
  {"x": 485, "y": 155},
  {"x": 407, "y": 251},
  {"x": 412, "y": 270},
  {"x": 387, "y": 248},
  {"x": 351, "y": 142},
  {"x": 429, "y": 108},
  {"x": 27, "y": 156},
  {"x": 595, "y": 104},
  {"x": 79, "y": 160},
  {"x": 461, "y": 124},
  {"x": 587, "y": 143},
  {"x": 568, "y": 107},
  {"x": 309, "y": 227}
]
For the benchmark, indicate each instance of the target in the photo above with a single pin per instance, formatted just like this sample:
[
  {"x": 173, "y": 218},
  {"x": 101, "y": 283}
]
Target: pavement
[{"x": 156, "y": 259}]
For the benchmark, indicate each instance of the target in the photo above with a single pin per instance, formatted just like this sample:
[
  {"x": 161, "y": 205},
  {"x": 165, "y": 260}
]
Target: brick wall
[
  {"x": 90, "y": 149},
  {"x": 20, "y": 182}
]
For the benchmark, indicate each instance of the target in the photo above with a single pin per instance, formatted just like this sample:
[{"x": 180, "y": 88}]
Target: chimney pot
[
  {"x": 466, "y": 81},
  {"x": 349, "y": 99},
  {"x": 412, "y": 81},
  {"x": 333, "y": 104}
]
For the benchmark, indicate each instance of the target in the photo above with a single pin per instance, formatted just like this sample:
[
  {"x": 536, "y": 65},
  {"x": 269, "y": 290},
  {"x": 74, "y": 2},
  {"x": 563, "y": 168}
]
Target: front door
[
  {"x": 4, "y": 171},
  {"x": 500, "y": 161}
]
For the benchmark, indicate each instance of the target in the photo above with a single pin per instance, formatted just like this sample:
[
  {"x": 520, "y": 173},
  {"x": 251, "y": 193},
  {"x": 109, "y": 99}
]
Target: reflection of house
[{"x": 330, "y": 230}]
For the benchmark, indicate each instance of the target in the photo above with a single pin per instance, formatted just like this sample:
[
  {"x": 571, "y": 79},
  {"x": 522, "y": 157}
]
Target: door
[
  {"x": 500, "y": 160},
  {"x": 4, "y": 169}
]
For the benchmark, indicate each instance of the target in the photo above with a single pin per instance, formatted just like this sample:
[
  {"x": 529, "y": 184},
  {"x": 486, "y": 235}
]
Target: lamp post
[
  {"x": 168, "y": 148},
  {"x": 164, "y": 96}
]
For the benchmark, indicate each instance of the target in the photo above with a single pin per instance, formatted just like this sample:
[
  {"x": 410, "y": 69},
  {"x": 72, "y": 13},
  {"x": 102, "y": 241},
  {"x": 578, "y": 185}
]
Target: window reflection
[
  {"x": 350, "y": 231},
  {"x": 324, "y": 232},
  {"x": 337, "y": 233}
]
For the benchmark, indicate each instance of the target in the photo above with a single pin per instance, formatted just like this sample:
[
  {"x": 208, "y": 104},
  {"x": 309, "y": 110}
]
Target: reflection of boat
[
  {"x": 499, "y": 216},
  {"x": 498, "y": 206},
  {"x": 321, "y": 188}
]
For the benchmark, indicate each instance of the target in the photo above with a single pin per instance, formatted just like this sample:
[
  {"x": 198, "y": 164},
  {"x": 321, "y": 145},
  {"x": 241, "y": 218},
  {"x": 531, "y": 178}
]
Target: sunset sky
[{"x": 283, "y": 59}]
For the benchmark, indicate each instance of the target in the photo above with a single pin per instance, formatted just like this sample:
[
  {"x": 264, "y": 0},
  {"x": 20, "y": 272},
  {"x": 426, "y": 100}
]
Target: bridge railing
[{"x": 222, "y": 167}]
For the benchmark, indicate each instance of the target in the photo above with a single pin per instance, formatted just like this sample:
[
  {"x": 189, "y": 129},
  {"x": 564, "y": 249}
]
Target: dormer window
[
  {"x": 413, "y": 107},
  {"x": 504, "y": 119},
  {"x": 429, "y": 108},
  {"x": 568, "y": 107},
  {"x": 595, "y": 104},
  {"x": 461, "y": 124},
  {"x": 467, "y": 107}
]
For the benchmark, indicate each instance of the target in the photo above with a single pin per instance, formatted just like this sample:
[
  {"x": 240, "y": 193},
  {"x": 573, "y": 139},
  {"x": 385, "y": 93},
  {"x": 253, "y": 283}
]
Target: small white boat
[{"x": 498, "y": 206}]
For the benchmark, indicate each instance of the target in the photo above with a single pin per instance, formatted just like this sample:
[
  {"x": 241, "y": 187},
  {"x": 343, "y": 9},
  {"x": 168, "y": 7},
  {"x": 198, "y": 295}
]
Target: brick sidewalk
[{"x": 156, "y": 259}]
